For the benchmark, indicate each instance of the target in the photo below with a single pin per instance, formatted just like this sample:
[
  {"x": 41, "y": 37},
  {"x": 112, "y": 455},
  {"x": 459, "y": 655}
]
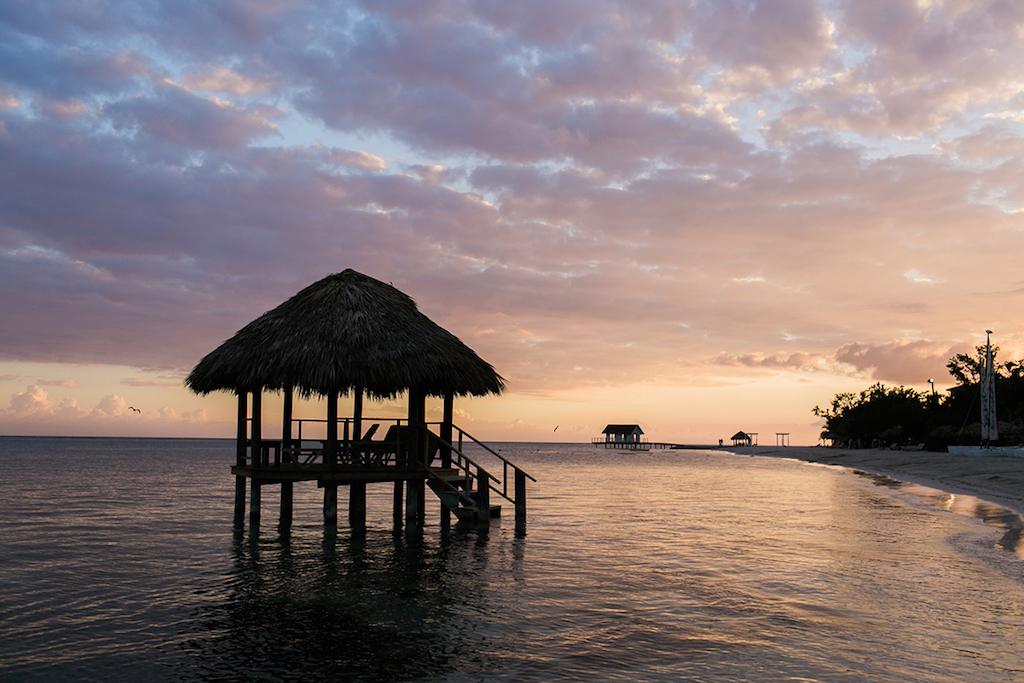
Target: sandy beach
[{"x": 998, "y": 480}]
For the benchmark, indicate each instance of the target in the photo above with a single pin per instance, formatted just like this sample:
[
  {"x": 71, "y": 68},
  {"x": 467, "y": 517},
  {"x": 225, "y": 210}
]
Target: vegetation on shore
[{"x": 900, "y": 416}]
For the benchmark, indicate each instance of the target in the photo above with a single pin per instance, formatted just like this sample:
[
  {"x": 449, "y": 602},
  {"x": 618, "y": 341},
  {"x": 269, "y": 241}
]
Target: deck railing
[
  {"x": 466, "y": 463},
  {"x": 306, "y": 451}
]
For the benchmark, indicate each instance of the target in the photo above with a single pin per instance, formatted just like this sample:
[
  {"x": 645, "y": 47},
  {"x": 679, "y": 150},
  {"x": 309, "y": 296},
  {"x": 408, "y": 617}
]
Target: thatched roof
[{"x": 341, "y": 333}]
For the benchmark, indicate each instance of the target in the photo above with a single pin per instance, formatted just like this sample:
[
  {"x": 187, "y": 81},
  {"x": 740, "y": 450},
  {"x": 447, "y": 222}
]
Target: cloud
[
  {"x": 33, "y": 411},
  {"x": 177, "y": 116},
  {"x": 778, "y": 361},
  {"x": 591, "y": 194},
  {"x": 225, "y": 80},
  {"x": 135, "y": 382},
  {"x": 32, "y": 401},
  {"x": 902, "y": 361},
  {"x": 360, "y": 159}
]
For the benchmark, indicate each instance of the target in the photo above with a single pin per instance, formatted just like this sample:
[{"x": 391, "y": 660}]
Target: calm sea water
[{"x": 118, "y": 562}]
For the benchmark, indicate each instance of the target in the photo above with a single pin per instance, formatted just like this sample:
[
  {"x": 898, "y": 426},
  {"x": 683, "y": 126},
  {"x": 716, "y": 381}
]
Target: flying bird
[
  {"x": 134, "y": 408},
  {"x": 556, "y": 428}
]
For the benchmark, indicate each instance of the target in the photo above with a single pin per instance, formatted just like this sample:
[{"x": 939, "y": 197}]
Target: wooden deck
[
  {"x": 340, "y": 474},
  {"x": 412, "y": 462}
]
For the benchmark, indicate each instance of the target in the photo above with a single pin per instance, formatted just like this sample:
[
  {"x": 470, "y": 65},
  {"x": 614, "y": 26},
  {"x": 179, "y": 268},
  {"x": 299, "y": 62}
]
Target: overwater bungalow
[
  {"x": 621, "y": 436},
  {"x": 744, "y": 439},
  {"x": 350, "y": 334}
]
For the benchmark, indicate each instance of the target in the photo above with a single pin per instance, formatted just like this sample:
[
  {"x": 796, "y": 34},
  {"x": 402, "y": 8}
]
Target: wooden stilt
[
  {"x": 357, "y": 505},
  {"x": 421, "y": 497},
  {"x": 331, "y": 504},
  {"x": 413, "y": 501},
  {"x": 483, "y": 498},
  {"x": 520, "y": 495},
  {"x": 254, "y": 506},
  {"x": 240, "y": 454},
  {"x": 397, "y": 503},
  {"x": 239, "y": 502},
  {"x": 286, "y": 504}
]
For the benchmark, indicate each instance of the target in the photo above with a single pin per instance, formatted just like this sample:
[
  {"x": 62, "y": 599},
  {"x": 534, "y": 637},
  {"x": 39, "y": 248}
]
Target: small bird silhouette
[
  {"x": 556, "y": 428},
  {"x": 134, "y": 408}
]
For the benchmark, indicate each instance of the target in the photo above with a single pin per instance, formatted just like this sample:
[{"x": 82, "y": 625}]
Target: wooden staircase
[
  {"x": 465, "y": 487},
  {"x": 450, "y": 485}
]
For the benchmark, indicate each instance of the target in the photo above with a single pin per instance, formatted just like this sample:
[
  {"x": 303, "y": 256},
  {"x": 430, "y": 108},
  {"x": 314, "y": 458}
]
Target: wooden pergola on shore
[{"x": 350, "y": 333}]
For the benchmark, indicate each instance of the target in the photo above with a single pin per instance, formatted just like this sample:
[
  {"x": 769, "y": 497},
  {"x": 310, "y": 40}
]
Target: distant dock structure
[
  {"x": 350, "y": 334},
  {"x": 626, "y": 437}
]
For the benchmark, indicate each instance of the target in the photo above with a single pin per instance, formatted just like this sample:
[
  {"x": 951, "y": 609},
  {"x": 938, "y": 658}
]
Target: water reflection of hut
[{"x": 350, "y": 333}]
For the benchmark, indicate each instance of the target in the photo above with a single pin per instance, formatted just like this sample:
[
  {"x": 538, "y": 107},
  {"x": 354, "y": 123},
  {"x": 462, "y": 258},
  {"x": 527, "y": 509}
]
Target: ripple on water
[{"x": 661, "y": 566}]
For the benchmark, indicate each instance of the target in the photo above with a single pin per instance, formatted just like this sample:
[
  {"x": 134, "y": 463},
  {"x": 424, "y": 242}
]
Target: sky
[{"x": 699, "y": 216}]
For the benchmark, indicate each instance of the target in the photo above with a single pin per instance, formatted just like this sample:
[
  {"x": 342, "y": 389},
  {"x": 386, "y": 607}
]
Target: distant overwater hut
[
  {"x": 352, "y": 334},
  {"x": 744, "y": 439},
  {"x": 622, "y": 436}
]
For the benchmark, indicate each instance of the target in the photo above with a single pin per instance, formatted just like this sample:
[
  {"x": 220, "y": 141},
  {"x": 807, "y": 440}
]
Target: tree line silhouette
[{"x": 901, "y": 417}]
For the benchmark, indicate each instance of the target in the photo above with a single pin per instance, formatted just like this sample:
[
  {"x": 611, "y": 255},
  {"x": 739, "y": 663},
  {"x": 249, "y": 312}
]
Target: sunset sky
[{"x": 697, "y": 215}]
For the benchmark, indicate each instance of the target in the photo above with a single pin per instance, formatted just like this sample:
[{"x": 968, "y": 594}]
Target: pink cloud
[
  {"x": 589, "y": 193},
  {"x": 34, "y": 412},
  {"x": 900, "y": 360},
  {"x": 177, "y": 116},
  {"x": 226, "y": 80}
]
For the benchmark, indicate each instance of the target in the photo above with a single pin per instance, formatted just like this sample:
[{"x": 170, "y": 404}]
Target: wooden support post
[
  {"x": 240, "y": 433},
  {"x": 357, "y": 422},
  {"x": 446, "y": 429},
  {"x": 397, "y": 502},
  {"x": 256, "y": 440},
  {"x": 357, "y": 504},
  {"x": 330, "y": 504},
  {"x": 417, "y": 429},
  {"x": 331, "y": 451},
  {"x": 240, "y": 453},
  {"x": 414, "y": 493},
  {"x": 286, "y": 504},
  {"x": 483, "y": 497},
  {"x": 346, "y": 444},
  {"x": 520, "y": 494},
  {"x": 286, "y": 424},
  {"x": 239, "y": 502},
  {"x": 254, "y": 506}
]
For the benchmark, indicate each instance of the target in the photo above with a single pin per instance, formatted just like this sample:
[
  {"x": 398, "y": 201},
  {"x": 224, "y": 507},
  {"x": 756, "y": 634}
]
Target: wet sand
[{"x": 998, "y": 480}]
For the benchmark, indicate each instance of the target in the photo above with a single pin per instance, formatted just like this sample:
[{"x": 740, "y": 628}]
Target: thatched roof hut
[{"x": 346, "y": 332}]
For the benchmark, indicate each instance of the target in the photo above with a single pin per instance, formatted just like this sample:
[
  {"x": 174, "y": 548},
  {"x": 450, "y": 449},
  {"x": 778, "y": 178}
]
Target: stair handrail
[
  {"x": 499, "y": 456},
  {"x": 503, "y": 491}
]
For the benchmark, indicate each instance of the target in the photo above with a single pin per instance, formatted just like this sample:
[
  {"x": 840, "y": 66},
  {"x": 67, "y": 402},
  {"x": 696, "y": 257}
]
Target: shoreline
[{"x": 998, "y": 480}]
